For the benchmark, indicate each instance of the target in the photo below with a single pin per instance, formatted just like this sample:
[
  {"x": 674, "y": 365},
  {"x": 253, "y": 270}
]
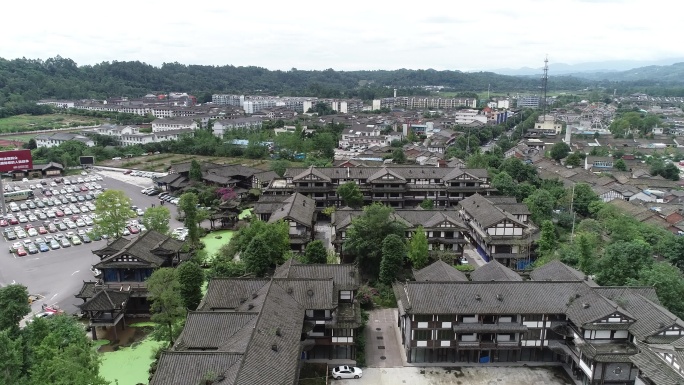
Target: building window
[
  {"x": 422, "y": 317},
  {"x": 445, "y": 335},
  {"x": 422, "y": 335}
]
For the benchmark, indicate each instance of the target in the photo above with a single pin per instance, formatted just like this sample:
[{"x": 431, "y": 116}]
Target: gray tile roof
[
  {"x": 494, "y": 271},
  {"x": 298, "y": 208},
  {"x": 183, "y": 368},
  {"x": 106, "y": 300},
  {"x": 228, "y": 293},
  {"x": 405, "y": 173},
  {"x": 273, "y": 353},
  {"x": 310, "y": 293},
  {"x": 484, "y": 211},
  {"x": 656, "y": 369},
  {"x": 147, "y": 248},
  {"x": 230, "y": 331},
  {"x": 345, "y": 277},
  {"x": 311, "y": 171},
  {"x": 439, "y": 271},
  {"x": 558, "y": 271}
]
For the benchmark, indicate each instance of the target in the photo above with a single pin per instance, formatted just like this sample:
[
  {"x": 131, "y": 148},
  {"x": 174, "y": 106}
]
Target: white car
[{"x": 345, "y": 371}]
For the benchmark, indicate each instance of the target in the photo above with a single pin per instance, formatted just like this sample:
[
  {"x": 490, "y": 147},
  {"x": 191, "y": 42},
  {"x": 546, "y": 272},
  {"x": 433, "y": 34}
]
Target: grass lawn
[{"x": 21, "y": 123}]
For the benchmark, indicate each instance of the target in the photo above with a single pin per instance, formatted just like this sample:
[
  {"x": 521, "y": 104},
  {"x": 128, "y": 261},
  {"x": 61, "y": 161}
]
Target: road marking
[
  {"x": 72, "y": 274},
  {"x": 14, "y": 282},
  {"x": 53, "y": 297}
]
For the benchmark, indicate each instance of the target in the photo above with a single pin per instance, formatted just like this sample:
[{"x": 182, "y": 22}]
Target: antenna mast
[{"x": 545, "y": 81}]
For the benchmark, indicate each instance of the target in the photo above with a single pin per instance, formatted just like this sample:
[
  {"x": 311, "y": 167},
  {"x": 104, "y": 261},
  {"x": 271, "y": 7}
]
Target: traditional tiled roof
[
  {"x": 558, "y": 271},
  {"x": 439, "y": 271},
  {"x": 228, "y": 293},
  {"x": 310, "y": 293},
  {"x": 106, "y": 300},
  {"x": 274, "y": 351},
  {"x": 298, "y": 208},
  {"x": 230, "y": 331},
  {"x": 311, "y": 171},
  {"x": 403, "y": 172},
  {"x": 345, "y": 277},
  {"x": 484, "y": 212},
  {"x": 195, "y": 367},
  {"x": 88, "y": 290},
  {"x": 145, "y": 250},
  {"x": 494, "y": 271},
  {"x": 655, "y": 369}
]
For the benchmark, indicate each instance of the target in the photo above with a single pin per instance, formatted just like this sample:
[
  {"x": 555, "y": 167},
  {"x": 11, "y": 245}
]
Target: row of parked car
[{"x": 52, "y": 242}]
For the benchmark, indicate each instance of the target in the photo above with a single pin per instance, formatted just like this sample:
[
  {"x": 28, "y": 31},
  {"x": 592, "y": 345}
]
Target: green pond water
[
  {"x": 131, "y": 365},
  {"x": 213, "y": 244}
]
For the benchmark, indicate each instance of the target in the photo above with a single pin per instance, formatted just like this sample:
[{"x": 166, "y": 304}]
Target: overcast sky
[{"x": 344, "y": 35}]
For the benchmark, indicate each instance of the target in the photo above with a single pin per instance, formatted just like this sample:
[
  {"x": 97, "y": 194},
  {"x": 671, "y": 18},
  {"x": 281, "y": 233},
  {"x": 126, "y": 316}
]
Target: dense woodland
[{"x": 23, "y": 80}]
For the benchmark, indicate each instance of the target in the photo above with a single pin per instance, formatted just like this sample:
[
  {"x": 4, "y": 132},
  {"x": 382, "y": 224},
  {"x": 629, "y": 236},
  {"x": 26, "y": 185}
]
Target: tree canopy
[
  {"x": 157, "y": 219},
  {"x": 350, "y": 194},
  {"x": 113, "y": 209},
  {"x": 366, "y": 233}
]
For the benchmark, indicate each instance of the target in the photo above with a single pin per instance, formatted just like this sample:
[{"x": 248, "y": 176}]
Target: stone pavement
[{"x": 383, "y": 349}]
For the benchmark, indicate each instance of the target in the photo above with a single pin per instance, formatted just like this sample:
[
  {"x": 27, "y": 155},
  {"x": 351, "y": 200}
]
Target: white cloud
[{"x": 344, "y": 35}]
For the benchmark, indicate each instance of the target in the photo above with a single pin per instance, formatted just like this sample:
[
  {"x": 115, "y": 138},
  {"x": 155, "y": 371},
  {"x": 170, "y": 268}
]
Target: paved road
[
  {"x": 59, "y": 274},
  {"x": 382, "y": 346}
]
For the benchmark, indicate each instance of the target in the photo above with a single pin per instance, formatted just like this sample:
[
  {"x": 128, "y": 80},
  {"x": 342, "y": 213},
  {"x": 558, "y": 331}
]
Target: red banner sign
[{"x": 15, "y": 160}]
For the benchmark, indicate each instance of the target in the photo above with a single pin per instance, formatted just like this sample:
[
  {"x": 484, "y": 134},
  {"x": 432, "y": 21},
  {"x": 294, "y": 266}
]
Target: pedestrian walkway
[{"x": 382, "y": 346}]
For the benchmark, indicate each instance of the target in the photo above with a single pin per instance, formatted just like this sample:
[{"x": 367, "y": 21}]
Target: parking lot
[
  {"x": 480, "y": 375},
  {"x": 57, "y": 274}
]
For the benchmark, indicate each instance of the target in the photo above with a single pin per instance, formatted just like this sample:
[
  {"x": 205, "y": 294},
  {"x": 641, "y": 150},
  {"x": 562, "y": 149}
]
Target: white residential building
[
  {"x": 220, "y": 127},
  {"x": 159, "y": 125},
  {"x": 54, "y": 140}
]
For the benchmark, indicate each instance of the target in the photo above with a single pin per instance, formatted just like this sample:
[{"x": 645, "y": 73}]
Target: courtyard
[{"x": 478, "y": 375}]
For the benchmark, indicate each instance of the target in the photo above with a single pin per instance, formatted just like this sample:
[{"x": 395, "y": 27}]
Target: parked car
[
  {"x": 76, "y": 240},
  {"x": 21, "y": 252},
  {"x": 345, "y": 371},
  {"x": 64, "y": 242},
  {"x": 43, "y": 247},
  {"x": 54, "y": 245}
]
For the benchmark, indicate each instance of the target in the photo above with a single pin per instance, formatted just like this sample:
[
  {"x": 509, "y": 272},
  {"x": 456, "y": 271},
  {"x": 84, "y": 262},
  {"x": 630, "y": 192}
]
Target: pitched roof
[
  {"x": 298, "y": 208},
  {"x": 147, "y": 249},
  {"x": 230, "y": 331},
  {"x": 558, "y": 271},
  {"x": 195, "y": 367},
  {"x": 311, "y": 171},
  {"x": 106, "y": 300},
  {"x": 229, "y": 293},
  {"x": 345, "y": 277},
  {"x": 274, "y": 351},
  {"x": 494, "y": 271},
  {"x": 439, "y": 271},
  {"x": 484, "y": 211}
]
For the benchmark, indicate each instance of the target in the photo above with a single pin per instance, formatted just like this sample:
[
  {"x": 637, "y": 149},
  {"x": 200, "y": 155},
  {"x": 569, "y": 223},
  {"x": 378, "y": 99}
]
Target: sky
[{"x": 344, "y": 35}]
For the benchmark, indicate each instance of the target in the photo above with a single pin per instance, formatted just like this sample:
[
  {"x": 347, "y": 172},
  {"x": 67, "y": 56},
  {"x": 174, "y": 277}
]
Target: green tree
[
  {"x": 668, "y": 282},
  {"x": 393, "y": 254},
  {"x": 279, "y": 166},
  {"x": 258, "y": 255},
  {"x": 190, "y": 279},
  {"x": 504, "y": 183},
  {"x": 622, "y": 261},
  {"x": 60, "y": 353},
  {"x": 14, "y": 305},
  {"x": 427, "y": 204},
  {"x": 620, "y": 165},
  {"x": 195, "y": 173},
  {"x": 351, "y": 194},
  {"x": 559, "y": 151},
  {"x": 548, "y": 242},
  {"x": 157, "y": 219},
  {"x": 188, "y": 205},
  {"x": 113, "y": 209},
  {"x": 418, "y": 249},
  {"x": 574, "y": 160},
  {"x": 398, "y": 156},
  {"x": 540, "y": 203},
  {"x": 315, "y": 252},
  {"x": 586, "y": 247},
  {"x": 366, "y": 233},
  {"x": 584, "y": 196},
  {"x": 166, "y": 303},
  {"x": 11, "y": 358}
]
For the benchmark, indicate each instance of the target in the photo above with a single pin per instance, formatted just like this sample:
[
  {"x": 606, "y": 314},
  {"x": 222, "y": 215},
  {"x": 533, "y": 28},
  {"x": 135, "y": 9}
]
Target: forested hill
[
  {"x": 650, "y": 75},
  {"x": 61, "y": 78}
]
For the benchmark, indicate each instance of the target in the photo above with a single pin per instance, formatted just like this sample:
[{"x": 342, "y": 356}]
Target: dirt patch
[{"x": 124, "y": 338}]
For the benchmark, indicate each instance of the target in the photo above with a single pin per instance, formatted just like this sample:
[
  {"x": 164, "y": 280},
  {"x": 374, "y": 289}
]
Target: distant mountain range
[{"x": 602, "y": 67}]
